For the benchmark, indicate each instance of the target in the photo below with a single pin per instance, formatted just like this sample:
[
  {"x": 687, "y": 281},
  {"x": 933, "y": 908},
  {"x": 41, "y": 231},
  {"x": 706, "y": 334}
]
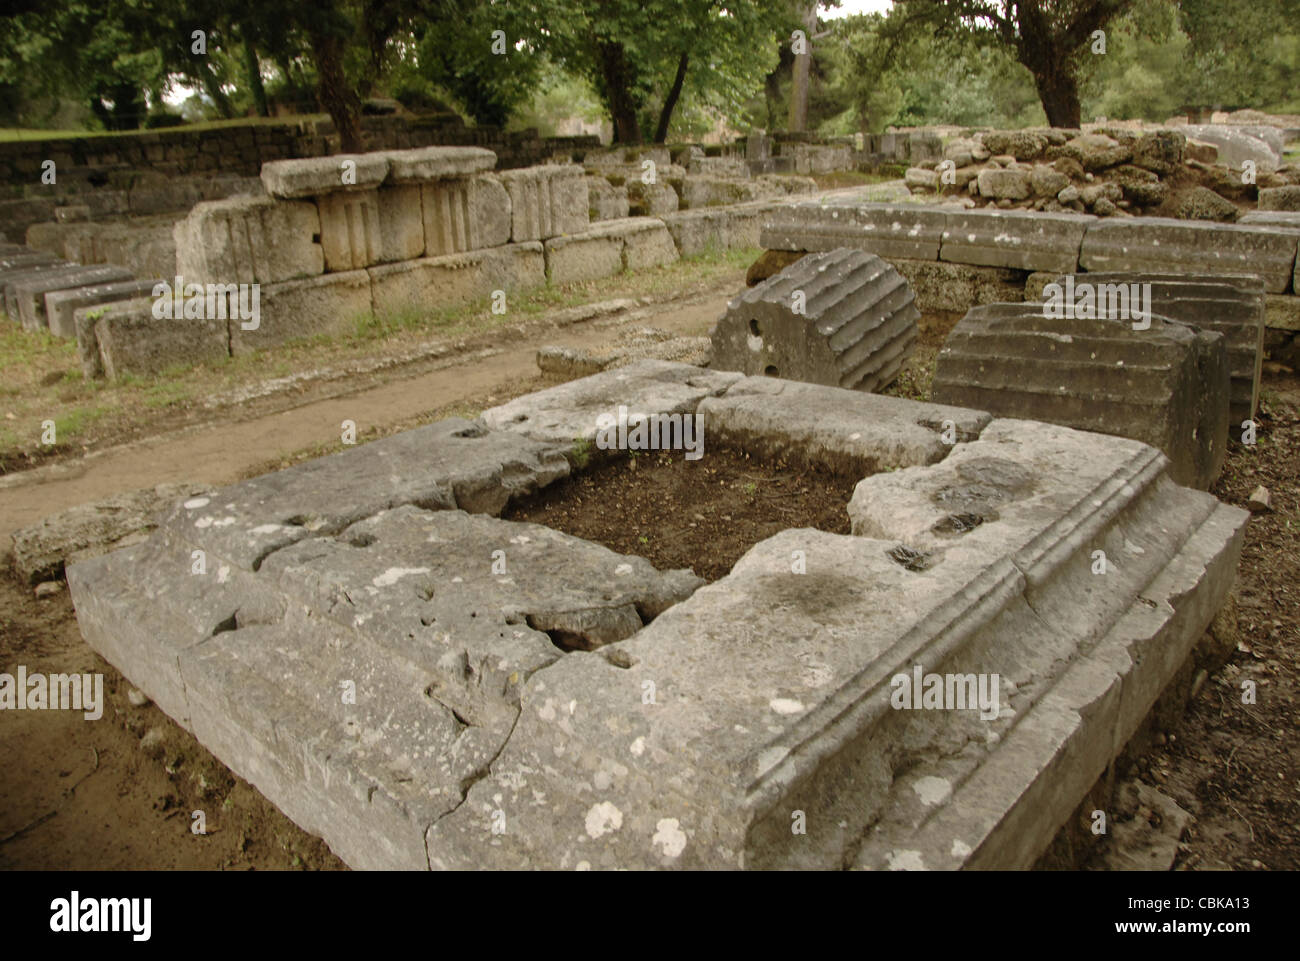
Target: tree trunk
[
  {"x": 253, "y": 68},
  {"x": 802, "y": 63},
  {"x": 334, "y": 93},
  {"x": 1058, "y": 90},
  {"x": 616, "y": 75},
  {"x": 212, "y": 87},
  {"x": 670, "y": 102}
]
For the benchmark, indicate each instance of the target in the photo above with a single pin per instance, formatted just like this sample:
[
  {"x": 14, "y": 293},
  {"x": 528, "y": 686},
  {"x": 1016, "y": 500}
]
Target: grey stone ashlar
[
  {"x": 1167, "y": 385},
  {"x": 747, "y": 731},
  {"x": 1234, "y": 306},
  {"x": 313, "y": 176}
]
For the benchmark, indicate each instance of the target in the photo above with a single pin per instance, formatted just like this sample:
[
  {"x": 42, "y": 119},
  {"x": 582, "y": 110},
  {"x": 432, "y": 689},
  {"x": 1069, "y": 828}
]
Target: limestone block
[
  {"x": 329, "y": 305},
  {"x": 568, "y": 412},
  {"x": 26, "y": 298},
  {"x": 249, "y": 240},
  {"x": 1161, "y": 244},
  {"x": 887, "y": 230},
  {"x": 1014, "y": 238},
  {"x": 464, "y": 214},
  {"x": 432, "y": 282},
  {"x": 1167, "y": 386},
  {"x": 548, "y": 201},
  {"x": 849, "y": 433},
  {"x": 318, "y": 176},
  {"x": 747, "y": 728},
  {"x": 843, "y": 318},
  {"x": 349, "y": 229},
  {"x": 424, "y": 164},
  {"x": 61, "y": 305},
  {"x": 605, "y": 201},
  {"x": 1233, "y": 306},
  {"x": 130, "y": 340}
]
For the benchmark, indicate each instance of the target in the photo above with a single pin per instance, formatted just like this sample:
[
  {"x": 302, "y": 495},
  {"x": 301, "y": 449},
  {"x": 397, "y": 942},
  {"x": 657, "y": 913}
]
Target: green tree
[
  {"x": 1051, "y": 38},
  {"x": 644, "y": 57}
]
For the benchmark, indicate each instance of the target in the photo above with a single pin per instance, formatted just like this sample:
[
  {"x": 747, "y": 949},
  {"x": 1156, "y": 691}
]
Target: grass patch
[{"x": 41, "y": 377}]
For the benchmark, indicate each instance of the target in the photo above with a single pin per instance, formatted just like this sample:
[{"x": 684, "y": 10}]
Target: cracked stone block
[
  {"x": 320, "y": 176},
  {"x": 423, "y": 164},
  {"x": 349, "y": 229},
  {"x": 773, "y": 689},
  {"x": 844, "y": 318},
  {"x": 689, "y": 741},
  {"x": 129, "y": 339},
  {"x": 450, "y": 464},
  {"x": 1164, "y": 245},
  {"x": 249, "y": 240},
  {"x": 61, "y": 305},
  {"x": 464, "y": 214},
  {"x": 89, "y": 530},
  {"x": 887, "y": 230},
  {"x": 1233, "y": 306},
  {"x": 567, "y": 413},
  {"x": 1014, "y": 238},
  {"x": 696, "y": 231},
  {"x": 646, "y": 242},
  {"x": 408, "y": 611},
  {"x": 607, "y": 248},
  {"x": 1167, "y": 386},
  {"x": 26, "y": 298},
  {"x": 457, "y": 278},
  {"x": 331, "y": 304},
  {"x": 855, "y": 433},
  {"x": 547, "y": 201},
  {"x": 605, "y": 201}
]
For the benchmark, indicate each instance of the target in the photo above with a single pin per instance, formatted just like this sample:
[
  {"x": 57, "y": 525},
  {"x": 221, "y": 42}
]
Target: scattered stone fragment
[
  {"x": 137, "y": 697},
  {"x": 1261, "y": 501}
]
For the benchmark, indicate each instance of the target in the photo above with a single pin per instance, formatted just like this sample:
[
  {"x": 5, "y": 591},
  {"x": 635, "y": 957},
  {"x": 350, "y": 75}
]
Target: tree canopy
[{"x": 653, "y": 68}]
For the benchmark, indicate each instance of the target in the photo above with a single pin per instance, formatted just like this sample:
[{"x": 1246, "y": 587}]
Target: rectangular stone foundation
[{"x": 474, "y": 743}]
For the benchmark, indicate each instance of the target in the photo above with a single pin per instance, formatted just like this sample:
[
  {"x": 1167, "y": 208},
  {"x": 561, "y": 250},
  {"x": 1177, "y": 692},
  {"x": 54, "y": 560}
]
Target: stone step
[{"x": 28, "y": 296}]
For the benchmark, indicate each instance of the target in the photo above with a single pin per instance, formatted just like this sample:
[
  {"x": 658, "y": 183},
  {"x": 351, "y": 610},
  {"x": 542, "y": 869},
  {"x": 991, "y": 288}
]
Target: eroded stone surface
[
  {"x": 1167, "y": 385},
  {"x": 1158, "y": 244},
  {"x": 451, "y": 464},
  {"x": 772, "y": 688},
  {"x": 567, "y": 413},
  {"x": 856, "y": 434},
  {"x": 467, "y": 738},
  {"x": 844, "y": 318},
  {"x": 886, "y": 230}
]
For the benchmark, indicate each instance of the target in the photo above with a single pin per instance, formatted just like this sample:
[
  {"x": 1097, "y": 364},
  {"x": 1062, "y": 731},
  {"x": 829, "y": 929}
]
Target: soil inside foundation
[{"x": 702, "y": 514}]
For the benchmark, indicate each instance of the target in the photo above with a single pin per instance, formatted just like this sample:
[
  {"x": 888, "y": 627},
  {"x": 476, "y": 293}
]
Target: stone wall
[
  {"x": 1034, "y": 243},
  {"x": 135, "y": 173},
  {"x": 335, "y": 239}
]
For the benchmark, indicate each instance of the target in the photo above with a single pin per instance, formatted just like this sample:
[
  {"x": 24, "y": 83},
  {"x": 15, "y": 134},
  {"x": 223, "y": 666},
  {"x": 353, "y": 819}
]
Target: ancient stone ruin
[{"x": 524, "y": 698}]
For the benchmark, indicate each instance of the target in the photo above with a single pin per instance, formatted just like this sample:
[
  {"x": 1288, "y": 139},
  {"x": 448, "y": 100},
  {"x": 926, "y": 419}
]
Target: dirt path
[{"x": 225, "y": 448}]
